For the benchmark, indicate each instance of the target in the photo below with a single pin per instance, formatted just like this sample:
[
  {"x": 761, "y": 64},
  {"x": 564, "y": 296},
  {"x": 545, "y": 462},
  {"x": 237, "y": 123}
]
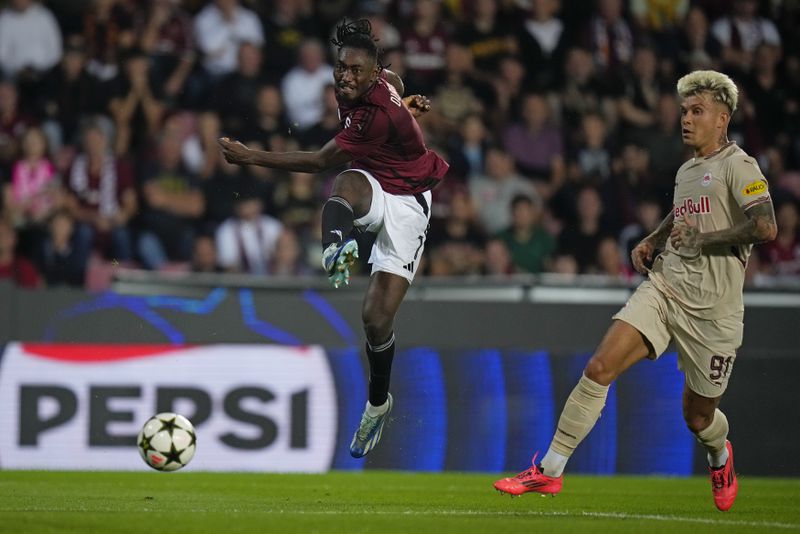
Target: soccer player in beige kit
[{"x": 721, "y": 207}]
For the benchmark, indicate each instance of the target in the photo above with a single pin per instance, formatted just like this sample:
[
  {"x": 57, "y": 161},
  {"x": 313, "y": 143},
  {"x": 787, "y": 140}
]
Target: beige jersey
[{"x": 714, "y": 192}]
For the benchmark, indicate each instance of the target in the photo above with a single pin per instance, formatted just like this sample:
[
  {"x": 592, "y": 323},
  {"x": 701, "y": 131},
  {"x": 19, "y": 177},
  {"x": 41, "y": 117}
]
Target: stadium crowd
[{"x": 559, "y": 120}]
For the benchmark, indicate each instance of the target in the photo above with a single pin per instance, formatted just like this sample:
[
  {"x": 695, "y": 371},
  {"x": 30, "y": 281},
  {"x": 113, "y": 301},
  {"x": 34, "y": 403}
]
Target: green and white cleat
[
  {"x": 369, "y": 431},
  {"x": 337, "y": 260}
]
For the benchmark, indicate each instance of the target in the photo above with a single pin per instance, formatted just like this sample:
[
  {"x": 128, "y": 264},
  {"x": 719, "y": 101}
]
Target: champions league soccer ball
[{"x": 167, "y": 441}]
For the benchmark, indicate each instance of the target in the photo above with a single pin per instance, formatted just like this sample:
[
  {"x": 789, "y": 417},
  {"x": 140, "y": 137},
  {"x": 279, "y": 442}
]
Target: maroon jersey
[{"x": 384, "y": 139}]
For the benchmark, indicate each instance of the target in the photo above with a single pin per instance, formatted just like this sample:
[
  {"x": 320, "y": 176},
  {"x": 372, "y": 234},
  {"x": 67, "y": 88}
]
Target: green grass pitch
[{"x": 383, "y": 502}]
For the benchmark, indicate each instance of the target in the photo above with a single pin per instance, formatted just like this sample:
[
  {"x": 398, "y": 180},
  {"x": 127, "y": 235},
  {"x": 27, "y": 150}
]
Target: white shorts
[{"x": 401, "y": 225}]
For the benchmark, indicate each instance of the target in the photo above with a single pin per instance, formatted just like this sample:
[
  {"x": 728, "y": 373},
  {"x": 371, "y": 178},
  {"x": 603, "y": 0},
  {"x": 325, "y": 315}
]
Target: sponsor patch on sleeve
[{"x": 755, "y": 188}]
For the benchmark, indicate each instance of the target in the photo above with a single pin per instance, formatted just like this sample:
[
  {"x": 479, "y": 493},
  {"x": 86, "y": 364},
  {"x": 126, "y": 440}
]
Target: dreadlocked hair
[{"x": 356, "y": 34}]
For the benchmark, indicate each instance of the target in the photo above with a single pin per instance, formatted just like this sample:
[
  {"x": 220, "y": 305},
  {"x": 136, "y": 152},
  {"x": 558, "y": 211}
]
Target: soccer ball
[{"x": 167, "y": 441}]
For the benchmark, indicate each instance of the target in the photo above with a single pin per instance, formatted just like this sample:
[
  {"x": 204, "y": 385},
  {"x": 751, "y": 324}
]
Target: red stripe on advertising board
[{"x": 87, "y": 353}]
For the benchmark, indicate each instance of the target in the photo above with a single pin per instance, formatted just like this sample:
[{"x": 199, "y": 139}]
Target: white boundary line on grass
[
  {"x": 457, "y": 513},
  {"x": 605, "y": 515}
]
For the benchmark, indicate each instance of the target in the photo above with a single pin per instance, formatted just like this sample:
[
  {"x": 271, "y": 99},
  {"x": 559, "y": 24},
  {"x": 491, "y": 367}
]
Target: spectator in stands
[
  {"x": 457, "y": 242},
  {"x": 782, "y": 256},
  {"x": 384, "y": 31},
  {"x": 13, "y": 124},
  {"x": 536, "y": 143},
  {"x": 303, "y": 86},
  {"x": 204, "y": 255},
  {"x": 467, "y": 151},
  {"x": 648, "y": 217},
  {"x": 289, "y": 256},
  {"x": 498, "y": 258},
  {"x": 62, "y": 256},
  {"x": 487, "y": 33},
  {"x": 167, "y": 39},
  {"x": 13, "y": 266},
  {"x": 199, "y": 133},
  {"x": 459, "y": 94},
  {"x": 592, "y": 159},
  {"x": 220, "y": 28},
  {"x": 492, "y": 193},
  {"x": 631, "y": 181},
  {"x": 583, "y": 93},
  {"x": 698, "y": 48},
  {"x": 531, "y": 246},
  {"x": 768, "y": 93},
  {"x": 246, "y": 242},
  {"x": 109, "y": 31},
  {"x": 30, "y": 43},
  {"x": 34, "y": 192},
  {"x": 609, "y": 38},
  {"x": 327, "y": 127},
  {"x": 543, "y": 41},
  {"x": 566, "y": 265},
  {"x": 221, "y": 190},
  {"x": 101, "y": 194},
  {"x": 660, "y": 19},
  {"x": 297, "y": 200},
  {"x": 509, "y": 88},
  {"x": 638, "y": 102},
  {"x": 664, "y": 141},
  {"x": 287, "y": 23},
  {"x": 172, "y": 204},
  {"x": 581, "y": 240},
  {"x": 741, "y": 32},
  {"x": 236, "y": 95},
  {"x": 268, "y": 118},
  {"x": 70, "y": 93},
  {"x": 609, "y": 261},
  {"x": 425, "y": 41},
  {"x": 137, "y": 107}
]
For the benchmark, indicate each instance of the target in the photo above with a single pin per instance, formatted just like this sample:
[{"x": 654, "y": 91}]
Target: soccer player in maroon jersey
[{"x": 386, "y": 191}]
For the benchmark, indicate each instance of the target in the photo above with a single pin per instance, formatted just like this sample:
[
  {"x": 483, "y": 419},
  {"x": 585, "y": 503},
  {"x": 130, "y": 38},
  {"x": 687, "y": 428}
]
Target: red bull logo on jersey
[{"x": 691, "y": 207}]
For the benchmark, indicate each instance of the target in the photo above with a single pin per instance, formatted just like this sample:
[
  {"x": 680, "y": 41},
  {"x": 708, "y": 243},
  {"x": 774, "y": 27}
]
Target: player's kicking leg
[
  {"x": 622, "y": 346},
  {"x": 384, "y": 296},
  {"x": 710, "y": 427},
  {"x": 337, "y": 258},
  {"x": 351, "y": 198}
]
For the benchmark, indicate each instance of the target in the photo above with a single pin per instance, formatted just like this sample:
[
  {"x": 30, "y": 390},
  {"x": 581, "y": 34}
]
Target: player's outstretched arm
[
  {"x": 658, "y": 239},
  {"x": 327, "y": 157},
  {"x": 759, "y": 227}
]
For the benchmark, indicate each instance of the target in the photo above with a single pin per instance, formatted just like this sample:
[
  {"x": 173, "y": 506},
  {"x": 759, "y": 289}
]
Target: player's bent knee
[
  {"x": 377, "y": 324},
  {"x": 598, "y": 371},
  {"x": 696, "y": 422},
  {"x": 351, "y": 184}
]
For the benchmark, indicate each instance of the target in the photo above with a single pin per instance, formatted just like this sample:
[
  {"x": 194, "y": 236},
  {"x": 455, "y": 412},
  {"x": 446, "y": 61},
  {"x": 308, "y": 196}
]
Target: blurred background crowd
[{"x": 559, "y": 120}]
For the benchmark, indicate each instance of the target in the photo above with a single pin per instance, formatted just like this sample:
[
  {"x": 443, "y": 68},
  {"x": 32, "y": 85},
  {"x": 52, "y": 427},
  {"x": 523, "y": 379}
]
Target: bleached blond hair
[{"x": 718, "y": 85}]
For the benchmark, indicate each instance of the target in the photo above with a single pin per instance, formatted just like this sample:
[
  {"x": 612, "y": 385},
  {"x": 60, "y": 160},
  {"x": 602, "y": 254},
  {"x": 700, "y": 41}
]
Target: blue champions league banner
[
  {"x": 285, "y": 408},
  {"x": 491, "y": 410}
]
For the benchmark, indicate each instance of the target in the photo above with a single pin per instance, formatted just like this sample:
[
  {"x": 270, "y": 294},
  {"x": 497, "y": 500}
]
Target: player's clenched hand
[
  {"x": 233, "y": 151},
  {"x": 641, "y": 253},
  {"x": 685, "y": 234},
  {"x": 417, "y": 104}
]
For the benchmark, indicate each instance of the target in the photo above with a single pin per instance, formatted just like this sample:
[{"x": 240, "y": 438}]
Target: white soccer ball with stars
[{"x": 167, "y": 441}]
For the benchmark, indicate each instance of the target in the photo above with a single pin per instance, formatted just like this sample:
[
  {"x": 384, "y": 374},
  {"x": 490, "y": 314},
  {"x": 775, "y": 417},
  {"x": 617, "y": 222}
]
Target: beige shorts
[{"x": 706, "y": 348}]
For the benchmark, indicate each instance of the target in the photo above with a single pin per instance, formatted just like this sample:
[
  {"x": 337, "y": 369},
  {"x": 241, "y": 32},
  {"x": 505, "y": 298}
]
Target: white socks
[
  {"x": 375, "y": 411},
  {"x": 715, "y": 461},
  {"x": 553, "y": 464}
]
